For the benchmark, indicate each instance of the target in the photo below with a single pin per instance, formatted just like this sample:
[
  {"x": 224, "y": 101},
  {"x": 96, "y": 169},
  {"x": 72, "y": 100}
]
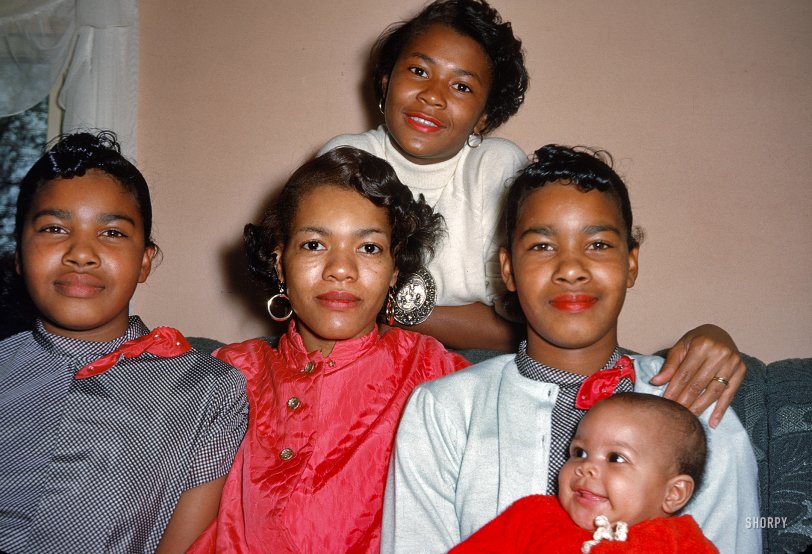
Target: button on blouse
[{"x": 311, "y": 472}]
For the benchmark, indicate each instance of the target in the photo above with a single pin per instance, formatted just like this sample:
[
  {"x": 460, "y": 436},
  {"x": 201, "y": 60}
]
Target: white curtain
[
  {"x": 94, "y": 41},
  {"x": 35, "y": 41}
]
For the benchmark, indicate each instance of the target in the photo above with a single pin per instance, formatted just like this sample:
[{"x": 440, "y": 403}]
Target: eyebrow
[
  {"x": 595, "y": 229},
  {"x": 578, "y": 441},
  {"x": 543, "y": 231},
  {"x": 53, "y": 212},
  {"x": 457, "y": 70},
  {"x": 358, "y": 233},
  {"x": 107, "y": 218},
  {"x": 548, "y": 231},
  {"x": 65, "y": 214},
  {"x": 621, "y": 445}
]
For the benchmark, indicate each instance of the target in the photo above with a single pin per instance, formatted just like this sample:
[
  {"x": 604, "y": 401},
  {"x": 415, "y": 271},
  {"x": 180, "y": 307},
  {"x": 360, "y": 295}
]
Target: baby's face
[{"x": 621, "y": 466}]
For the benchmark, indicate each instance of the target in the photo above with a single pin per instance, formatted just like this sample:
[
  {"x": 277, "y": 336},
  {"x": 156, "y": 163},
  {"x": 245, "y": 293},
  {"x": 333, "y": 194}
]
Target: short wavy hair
[
  {"x": 73, "y": 155},
  {"x": 471, "y": 18},
  {"x": 415, "y": 227},
  {"x": 585, "y": 169}
]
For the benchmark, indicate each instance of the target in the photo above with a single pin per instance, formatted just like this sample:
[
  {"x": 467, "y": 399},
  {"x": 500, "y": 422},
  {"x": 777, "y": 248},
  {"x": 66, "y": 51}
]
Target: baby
[{"x": 636, "y": 459}]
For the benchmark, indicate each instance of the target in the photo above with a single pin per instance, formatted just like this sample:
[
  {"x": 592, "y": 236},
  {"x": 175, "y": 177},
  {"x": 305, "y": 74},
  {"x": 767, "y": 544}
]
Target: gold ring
[{"x": 722, "y": 380}]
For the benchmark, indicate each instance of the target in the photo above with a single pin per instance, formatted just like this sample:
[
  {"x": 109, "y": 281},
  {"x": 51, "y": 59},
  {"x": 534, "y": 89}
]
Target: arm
[
  {"x": 692, "y": 366},
  {"x": 729, "y": 493},
  {"x": 475, "y": 232},
  {"x": 221, "y": 429},
  {"x": 419, "y": 514},
  {"x": 470, "y": 326},
  {"x": 195, "y": 510}
]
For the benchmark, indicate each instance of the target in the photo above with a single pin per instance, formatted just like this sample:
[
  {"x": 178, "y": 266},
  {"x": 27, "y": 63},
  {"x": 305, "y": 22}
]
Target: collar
[
  {"x": 344, "y": 352},
  {"x": 416, "y": 176},
  {"x": 533, "y": 369},
  {"x": 80, "y": 351}
]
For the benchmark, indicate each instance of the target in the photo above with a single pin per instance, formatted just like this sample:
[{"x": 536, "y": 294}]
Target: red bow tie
[
  {"x": 162, "y": 341},
  {"x": 601, "y": 384}
]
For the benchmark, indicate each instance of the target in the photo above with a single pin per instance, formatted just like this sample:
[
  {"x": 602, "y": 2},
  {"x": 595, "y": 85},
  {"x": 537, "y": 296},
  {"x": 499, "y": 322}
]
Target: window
[{"x": 22, "y": 138}]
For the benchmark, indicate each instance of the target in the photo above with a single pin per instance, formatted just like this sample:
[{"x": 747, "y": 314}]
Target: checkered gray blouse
[
  {"x": 98, "y": 464},
  {"x": 565, "y": 415}
]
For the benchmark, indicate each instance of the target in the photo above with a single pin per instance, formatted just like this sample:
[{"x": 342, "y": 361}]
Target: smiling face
[
  {"x": 436, "y": 94},
  {"x": 621, "y": 466},
  {"x": 570, "y": 266},
  {"x": 337, "y": 265},
  {"x": 81, "y": 255}
]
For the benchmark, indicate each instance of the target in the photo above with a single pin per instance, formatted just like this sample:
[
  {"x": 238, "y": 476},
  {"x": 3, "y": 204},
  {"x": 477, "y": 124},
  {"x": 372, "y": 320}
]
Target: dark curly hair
[
  {"x": 689, "y": 441},
  {"x": 474, "y": 19},
  {"x": 415, "y": 227},
  {"x": 17, "y": 311},
  {"x": 582, "y": 167},
  {"x": 73, "y": 155}
]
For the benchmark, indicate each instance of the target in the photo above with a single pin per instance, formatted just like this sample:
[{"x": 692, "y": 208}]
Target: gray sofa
[{"x": 774, "y": 404}]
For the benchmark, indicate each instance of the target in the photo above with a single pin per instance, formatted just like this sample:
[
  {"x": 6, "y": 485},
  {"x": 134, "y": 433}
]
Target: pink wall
[{"x": 706, "y": 107}]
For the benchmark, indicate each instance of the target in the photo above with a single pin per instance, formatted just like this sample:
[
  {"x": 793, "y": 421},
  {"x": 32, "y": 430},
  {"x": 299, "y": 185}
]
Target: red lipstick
[
  {"x": 338, "y": 300},
  {"x": 423, "y": 123},
  {"x": 573, "y": 302},
  {"x": 78, "y": 285}
]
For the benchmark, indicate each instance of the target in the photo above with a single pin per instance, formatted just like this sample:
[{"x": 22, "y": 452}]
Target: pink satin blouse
[{"x": 311, "y": 471}]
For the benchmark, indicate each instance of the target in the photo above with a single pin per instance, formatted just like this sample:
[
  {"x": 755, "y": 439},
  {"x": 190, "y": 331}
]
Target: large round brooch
[{"x": 416, "y": 298}]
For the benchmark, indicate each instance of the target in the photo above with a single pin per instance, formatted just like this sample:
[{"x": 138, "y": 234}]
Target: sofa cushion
[
  {"x": 789, "y": 408},
  {"x": 204, "y": 345},
  {"x": 750, "y": 404}
]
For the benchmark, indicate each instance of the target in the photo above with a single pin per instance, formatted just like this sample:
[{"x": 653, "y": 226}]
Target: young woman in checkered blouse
[{"x": 115, "y": 438}]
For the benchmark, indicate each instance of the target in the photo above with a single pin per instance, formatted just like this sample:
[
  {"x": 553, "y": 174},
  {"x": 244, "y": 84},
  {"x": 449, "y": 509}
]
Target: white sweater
[{"x": 468, "y": 191}]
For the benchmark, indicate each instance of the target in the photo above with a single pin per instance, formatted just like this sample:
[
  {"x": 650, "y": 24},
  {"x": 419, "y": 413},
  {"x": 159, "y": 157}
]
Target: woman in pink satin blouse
[{"x": 326, "y": 400}]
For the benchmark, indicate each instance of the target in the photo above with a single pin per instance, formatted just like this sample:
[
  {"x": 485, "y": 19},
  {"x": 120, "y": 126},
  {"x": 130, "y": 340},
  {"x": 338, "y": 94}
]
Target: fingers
[
  {"x": 727, "y": 395},
  {"x": 691, "y": 376},
  {"x": 694, "y": 383},
  {"x": 694, "y": 377},
  {"x": 713, "y": 392},
  {"x": 672, "y": 361}
]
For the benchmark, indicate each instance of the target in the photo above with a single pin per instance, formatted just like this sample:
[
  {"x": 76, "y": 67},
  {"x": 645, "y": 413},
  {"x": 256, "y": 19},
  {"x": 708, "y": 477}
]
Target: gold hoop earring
[{"x": 277, "y": 301}]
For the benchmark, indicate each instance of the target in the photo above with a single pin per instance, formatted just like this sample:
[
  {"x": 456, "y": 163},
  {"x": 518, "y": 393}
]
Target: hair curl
[
  {"x": 415, "y": 227},
  {"x": 73, "y": 155},
  {"x": 582, "y": 167},
  {"x": 470, "y": 18},
  {"x": 689, "y": 441}
]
